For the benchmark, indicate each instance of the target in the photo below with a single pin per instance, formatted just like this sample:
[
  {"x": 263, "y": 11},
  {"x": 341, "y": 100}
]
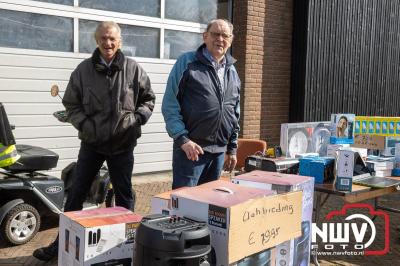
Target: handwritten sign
[
  {"x": 263, "y": 223},
  {"x": 369, "y": 142}
]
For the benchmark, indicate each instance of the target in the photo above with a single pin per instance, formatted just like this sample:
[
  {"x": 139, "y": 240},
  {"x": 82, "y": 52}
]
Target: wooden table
[{"x": 358, "y": 193}]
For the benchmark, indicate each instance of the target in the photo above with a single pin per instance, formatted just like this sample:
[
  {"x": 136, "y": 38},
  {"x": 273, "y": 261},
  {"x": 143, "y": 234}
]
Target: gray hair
[
  {"x": 212, "y": 22},
  {"x": 105, "y": 25}
]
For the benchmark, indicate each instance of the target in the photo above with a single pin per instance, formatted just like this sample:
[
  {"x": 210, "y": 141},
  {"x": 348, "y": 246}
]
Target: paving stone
[{"x": 147, "y": 186}]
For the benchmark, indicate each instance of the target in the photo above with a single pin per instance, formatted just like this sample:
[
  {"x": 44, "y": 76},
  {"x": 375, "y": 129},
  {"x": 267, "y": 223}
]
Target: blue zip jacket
[{"x": 194, "y": 106}]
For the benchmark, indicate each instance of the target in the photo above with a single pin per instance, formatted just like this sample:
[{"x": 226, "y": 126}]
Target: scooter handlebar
[{"x": 61, "y": 116}]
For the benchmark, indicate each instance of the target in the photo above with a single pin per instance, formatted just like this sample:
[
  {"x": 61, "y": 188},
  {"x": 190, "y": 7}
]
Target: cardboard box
[
  {"x": 333, "y": 148},
  {"x": 297, "y": 138},
  {"x": 98, "y": 236},
  {"x": 345, "y": 163},
  {"x": 377, "y": 125},
  {"x": 321, "y": 168},
  {"x": 383, "y": 173},
  {"x": 397, "y": 155},
  {"x": 243, "y": 221},
  {"x": 357, "y": 125},
  {"x": 161, "y": 203},
  {"x": 342, "y": 128},
  {"x": 344, "y": 170},
  {"x": 296, "y": 251},
  {"x": 374, "y": 142},
  {"x": 266, "y": 258}
]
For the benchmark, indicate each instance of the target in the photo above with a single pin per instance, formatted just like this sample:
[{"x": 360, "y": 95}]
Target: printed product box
[
  {"x": 103, "y": 236},
  {"x": 264, "y": 258},
  {"x": 344, "y": 170},
  {"x": 378, "y": 126},
  {"x": 321, "y": 168},
  {"x": 342, "y": 128},
  {"x": 371, "y": 126},
  {"x": 242, "y": 220},
  {"x": 397, "y": 155},
  {"x": 364, "y": 125},
  {"x": 385, "y": 129},
  {"x": 390, "y": 144},
  {"x": 161, "y": 203},
  {"x": 391, "y": 124},
  {"x": 333, "y": 148},
  {"x": 383, "y": 173},
  {"x": 298, "y": 138},
  {"x": 357, "y": 125},
  {"x": 295, "y": 252}
]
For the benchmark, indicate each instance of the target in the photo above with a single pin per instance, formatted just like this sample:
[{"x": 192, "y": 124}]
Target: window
[
  {"x": 136, "y": 41},
  {"x": 61, "y": 2},
  {"x": 149, "y": 8},
  {"x": 179, "y": 42},
  {"x": 69, "y": 25},
  {"x": 35, "y": 31},
  {"x": 202, "y": 11}
]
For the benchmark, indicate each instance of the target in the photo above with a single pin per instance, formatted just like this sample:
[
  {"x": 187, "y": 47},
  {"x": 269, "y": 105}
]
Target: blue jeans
[
  {"x": 120, "y": 168},
  {"x": 187, "y": 173}
]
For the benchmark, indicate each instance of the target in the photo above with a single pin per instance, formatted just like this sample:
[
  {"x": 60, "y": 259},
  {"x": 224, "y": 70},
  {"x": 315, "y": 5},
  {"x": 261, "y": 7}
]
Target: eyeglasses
[
  {"x": 216, "y": 35},
  {"x": 104, "y": 39}
]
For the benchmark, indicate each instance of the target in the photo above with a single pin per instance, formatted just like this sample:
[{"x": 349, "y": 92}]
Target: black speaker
[{"x": 163, "y": 240}]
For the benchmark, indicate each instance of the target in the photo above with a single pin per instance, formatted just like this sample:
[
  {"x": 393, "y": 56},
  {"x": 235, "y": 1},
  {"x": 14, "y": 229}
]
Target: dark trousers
[
  {"x": 187, "y": 173},
  {"x": 120, "y": 168}
]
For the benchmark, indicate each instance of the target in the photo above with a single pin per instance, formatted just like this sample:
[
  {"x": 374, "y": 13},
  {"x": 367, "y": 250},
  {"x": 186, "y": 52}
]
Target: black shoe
[{"x": 47, "y": 253}]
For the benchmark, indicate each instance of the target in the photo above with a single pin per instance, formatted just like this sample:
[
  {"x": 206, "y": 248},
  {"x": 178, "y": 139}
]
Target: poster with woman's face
[{"x": 342, "y": 128}]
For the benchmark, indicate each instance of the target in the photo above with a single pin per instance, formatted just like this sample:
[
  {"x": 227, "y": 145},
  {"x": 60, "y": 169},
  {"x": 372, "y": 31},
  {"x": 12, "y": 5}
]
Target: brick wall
[{"x": 262, "y": 45}]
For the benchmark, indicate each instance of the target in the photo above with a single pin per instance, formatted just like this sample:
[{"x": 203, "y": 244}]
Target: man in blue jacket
[{"x": 201, "y": 109}]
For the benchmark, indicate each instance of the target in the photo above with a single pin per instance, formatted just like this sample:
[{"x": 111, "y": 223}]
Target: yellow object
[
  {"x": 8, "y": 155},
  {"x": 377, "y": 125},
  {"x": 270, "y": 152}
]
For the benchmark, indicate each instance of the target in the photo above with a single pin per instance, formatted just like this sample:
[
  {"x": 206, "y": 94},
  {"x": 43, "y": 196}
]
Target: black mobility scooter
[{"x": 26, "y": 195}]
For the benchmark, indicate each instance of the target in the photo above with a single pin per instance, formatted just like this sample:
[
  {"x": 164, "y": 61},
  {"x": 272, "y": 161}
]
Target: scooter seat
[{"x": 33, "y": 159}]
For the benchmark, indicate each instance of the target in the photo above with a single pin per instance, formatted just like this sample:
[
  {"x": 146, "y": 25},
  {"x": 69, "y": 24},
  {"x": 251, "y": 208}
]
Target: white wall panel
[
  {"x": 50, "y": 120},
  {"x": 137, "y": 169},
  {"x": 26, "y": 77},
  {"x": 52, "y": 143},
  {"x": 26, "y": 81}
]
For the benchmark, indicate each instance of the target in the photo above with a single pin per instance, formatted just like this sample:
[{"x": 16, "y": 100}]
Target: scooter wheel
[{"x": 20, "y": 224}]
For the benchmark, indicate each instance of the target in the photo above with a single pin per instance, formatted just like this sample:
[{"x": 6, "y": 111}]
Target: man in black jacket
[
  {"x": 201, "y": 109},
  {"x": 108, "y": 99}
]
